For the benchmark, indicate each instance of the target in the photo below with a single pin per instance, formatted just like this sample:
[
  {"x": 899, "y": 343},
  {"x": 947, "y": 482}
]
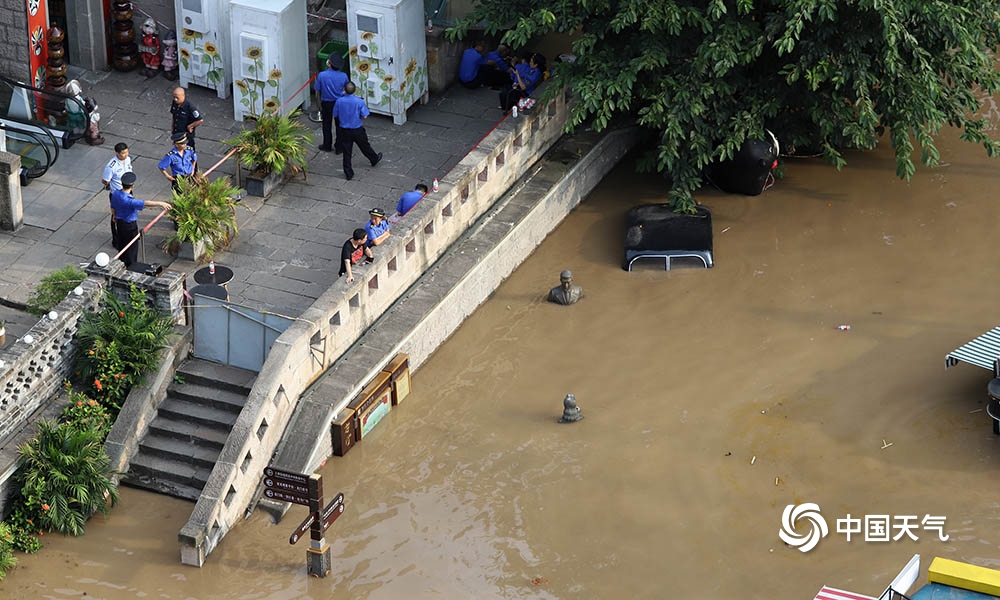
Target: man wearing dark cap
[
  {"x": 377, "y": 228},
  {"x": 330, "y": 85},
  {"x": 352, "y": 112},
  {"x": 184, "y": 116},
  {"x": 181, "y": 161},
  {"x": 126, "y": 209}
]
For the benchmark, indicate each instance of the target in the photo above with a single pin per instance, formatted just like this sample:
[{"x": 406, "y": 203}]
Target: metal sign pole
[{"x": 318, "y": 561}]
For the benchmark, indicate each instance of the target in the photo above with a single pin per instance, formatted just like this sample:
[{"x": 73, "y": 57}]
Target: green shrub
[
  {"x": 24, "y": 527},
  {"x": 67, "y": 472},
  {"x": 118, "y": 345},
  {"x": 53, "y": 289},
  {"x": 7, "y": 559},
  {"x": 86, "y": 413}
]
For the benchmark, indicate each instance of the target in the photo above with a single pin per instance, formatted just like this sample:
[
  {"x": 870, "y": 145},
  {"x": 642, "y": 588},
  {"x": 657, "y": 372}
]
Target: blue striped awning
[{"x": 982, "y": 351}]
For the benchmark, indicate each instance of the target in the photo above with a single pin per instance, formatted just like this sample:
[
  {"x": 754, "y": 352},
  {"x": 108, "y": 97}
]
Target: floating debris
[
  {"x": 754, "y": 459},
  {"x": 885, "y": 444}
]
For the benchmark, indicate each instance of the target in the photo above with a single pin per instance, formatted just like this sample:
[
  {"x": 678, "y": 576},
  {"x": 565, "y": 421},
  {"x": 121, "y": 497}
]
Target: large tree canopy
[{"x": 821, "y": 74}]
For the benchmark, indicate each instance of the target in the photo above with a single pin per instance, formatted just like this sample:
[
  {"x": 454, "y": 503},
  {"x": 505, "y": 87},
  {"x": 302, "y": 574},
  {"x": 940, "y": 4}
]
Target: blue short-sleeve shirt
[
  {"x": 376, "y": 230},
  {"x": 330, "y": 84},
  {"x": 177, "y": 163},
  {"x": 408, "y": 201},
  {"x": 469, "y": 67},
  {"x": 126, "y": 206},
  {"x": 350, "y": 110},
  {"x": 500, "y": 62}
]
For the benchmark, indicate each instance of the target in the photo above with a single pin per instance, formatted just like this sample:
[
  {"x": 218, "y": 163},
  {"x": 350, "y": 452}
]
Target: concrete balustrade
[{"x": 340, "y": 316}]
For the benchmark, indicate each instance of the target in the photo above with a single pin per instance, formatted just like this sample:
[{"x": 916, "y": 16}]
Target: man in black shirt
[
  {"x": 352, "y": 252},
  {"x": 184, "y": 116}
]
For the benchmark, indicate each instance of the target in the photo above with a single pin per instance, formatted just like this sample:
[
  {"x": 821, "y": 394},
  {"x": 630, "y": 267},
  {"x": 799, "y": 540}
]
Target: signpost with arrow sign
[{"x": 299, "y": 488}]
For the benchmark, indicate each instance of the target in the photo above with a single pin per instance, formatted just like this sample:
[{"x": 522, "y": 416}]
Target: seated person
[
  {"x": 526, "y": 78},
  {"x": 469, "y": 70},
  {"x": 495, "y": 71},
  {"x": 408, "y": 200}
]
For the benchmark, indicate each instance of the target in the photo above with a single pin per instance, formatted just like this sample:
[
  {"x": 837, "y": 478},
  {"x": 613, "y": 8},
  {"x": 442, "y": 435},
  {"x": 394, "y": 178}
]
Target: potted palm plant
[
  {"x": 274, "y": 148},
  {"x": 205, "y": 213}
]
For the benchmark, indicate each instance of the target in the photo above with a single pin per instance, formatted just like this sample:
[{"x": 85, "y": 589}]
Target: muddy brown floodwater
[{"x": 713, "y": 399}]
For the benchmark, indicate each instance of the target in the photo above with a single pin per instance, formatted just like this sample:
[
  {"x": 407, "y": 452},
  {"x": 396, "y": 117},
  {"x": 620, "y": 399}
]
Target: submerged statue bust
[
  {"x": 566, "y": 293},
  {"x": 571, "y": 412}
]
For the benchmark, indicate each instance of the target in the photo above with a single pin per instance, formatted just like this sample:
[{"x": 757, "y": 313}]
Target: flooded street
[{"x": 712, "y": 399}]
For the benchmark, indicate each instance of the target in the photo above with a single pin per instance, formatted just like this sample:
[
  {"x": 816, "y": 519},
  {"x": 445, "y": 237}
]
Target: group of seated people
[{"x": 513, "y": 77}]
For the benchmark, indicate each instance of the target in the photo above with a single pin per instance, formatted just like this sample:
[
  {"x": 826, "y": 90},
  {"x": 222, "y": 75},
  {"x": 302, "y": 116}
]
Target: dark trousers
[
  {"x": 358, "y": 136},
  {"x": 114, "y": 230},
  {"x": 494, "y": 77},
  {"x": 509, "y": 98},
  {"x": 127, "y": 231},
  {"x": 330, "y": 124}
]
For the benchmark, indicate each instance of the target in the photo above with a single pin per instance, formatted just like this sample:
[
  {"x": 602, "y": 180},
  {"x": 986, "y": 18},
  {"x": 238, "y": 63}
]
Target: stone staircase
[{"x": 183, "y": 442}]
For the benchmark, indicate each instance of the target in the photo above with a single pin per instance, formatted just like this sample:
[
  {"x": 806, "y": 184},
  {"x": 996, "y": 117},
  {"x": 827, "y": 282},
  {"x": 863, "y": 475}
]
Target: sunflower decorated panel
[
  {"x": 269, "y": 55},
  {"x": 203, "y": 44},
  {"x": 388, "y": 54}
]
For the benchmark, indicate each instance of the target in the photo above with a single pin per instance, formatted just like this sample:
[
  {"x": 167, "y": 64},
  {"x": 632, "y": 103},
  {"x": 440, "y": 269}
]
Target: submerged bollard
[{"x": 571, "y": 412}]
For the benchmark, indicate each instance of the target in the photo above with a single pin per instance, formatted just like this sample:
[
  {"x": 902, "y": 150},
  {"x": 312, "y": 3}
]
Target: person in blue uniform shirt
[
  {"x": 525, "y": 78},
  {"x": 469, "y": 70},
  {"x": 120, "y": 164},
  {"x": 352, "y": 112},
  {"x": 495, "y": 73},
  {"x": 377, "y": 227},
  {"x": 181, "y": 161},
  {"x": 330, "y": 85},
  {"x": 184, "y": 116},
  {"x": 126, "y": 208},
  {"x": 409, "y": 199}
]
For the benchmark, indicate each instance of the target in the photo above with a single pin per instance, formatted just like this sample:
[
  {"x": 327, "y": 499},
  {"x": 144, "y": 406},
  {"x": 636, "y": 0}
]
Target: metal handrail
[
  {"x": 60, "y": 95},
  {"x": 49, "y": 159}
]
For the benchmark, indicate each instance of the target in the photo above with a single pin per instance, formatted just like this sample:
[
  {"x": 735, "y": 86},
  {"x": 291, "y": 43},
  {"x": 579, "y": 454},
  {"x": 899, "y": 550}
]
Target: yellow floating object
[{"x": 964, "y": 576}]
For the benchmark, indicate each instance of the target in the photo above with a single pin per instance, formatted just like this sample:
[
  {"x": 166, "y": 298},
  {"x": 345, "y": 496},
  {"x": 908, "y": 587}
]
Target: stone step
[
  {"x": 169, "y": 488},
  {"x": 215, "y": 375},
  {"x": 197, "y": 412},
  {"x": 193, "y": 452},
  {"x": 188, "y": 431},
  {"x": 208, "y": 395},
  {"x": 168, "y": 476}
]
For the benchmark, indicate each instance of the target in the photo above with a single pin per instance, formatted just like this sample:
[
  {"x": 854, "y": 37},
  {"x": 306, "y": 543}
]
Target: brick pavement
[{"x": 288, "y": 248}]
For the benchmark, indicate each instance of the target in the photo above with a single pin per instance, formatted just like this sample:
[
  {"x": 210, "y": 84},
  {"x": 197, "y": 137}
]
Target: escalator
[
  {"x": 38, "y": 149},
  {"x": 53, "y": 115}
]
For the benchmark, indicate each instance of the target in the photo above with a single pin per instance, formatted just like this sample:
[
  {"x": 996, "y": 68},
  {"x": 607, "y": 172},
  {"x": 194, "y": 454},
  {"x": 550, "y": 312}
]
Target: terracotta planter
[{"x": 262, "y": 185}]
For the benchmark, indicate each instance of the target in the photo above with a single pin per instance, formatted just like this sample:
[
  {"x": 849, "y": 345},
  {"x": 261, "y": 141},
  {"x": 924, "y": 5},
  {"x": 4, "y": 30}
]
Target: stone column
[
  {"x": 11, "y": 212},
  {"x": 86, "y": 34}
]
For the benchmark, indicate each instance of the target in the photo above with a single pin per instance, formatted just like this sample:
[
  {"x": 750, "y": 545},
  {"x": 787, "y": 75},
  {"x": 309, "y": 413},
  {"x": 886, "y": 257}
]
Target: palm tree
[{"x": 67, "y": 469}]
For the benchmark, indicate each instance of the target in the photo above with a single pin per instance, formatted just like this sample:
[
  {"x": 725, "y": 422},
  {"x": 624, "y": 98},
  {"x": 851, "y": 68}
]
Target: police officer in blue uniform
[
  {"x": 352, "y": 111},
  {"x": 181, "y": 161},
  {"x": 126, "y": 208}
]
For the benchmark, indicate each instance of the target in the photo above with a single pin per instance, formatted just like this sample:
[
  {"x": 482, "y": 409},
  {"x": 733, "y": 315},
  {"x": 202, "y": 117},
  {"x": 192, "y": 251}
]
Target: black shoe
[
  {"x": 378, "y": 159},
  {"x": 338, "y": 151},
  {"x": 349, "y": 177},
  {"x": 326, "y": 149}
]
